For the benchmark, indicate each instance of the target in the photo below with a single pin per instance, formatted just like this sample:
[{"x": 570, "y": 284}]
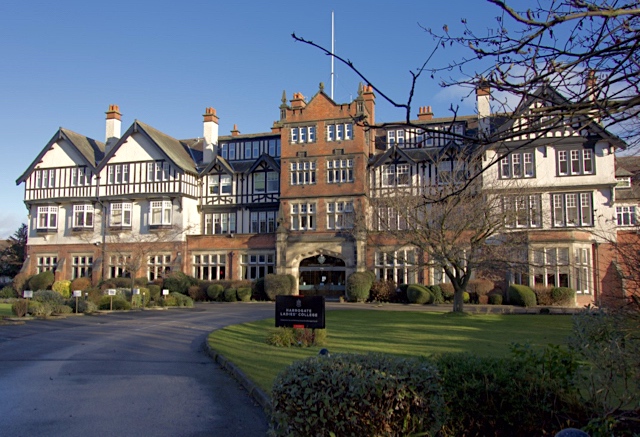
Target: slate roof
[{"x": 628, "y": 166}]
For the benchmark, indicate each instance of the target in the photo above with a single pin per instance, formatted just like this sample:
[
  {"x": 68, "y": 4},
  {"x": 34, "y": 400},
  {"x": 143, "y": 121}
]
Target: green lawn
[
  {"x": 5, "y": 309},
  {"x": 402, "y": 333}
]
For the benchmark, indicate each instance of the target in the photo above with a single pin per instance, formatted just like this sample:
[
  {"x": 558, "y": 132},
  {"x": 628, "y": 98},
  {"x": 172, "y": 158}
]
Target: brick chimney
[
  {"x": 235, "y": 132},
  {"x": 591, "y": 89},
  {"x": 425, "y": 113},
  {"x": 298, "y": 101},
  {"x": 114, "y": 124},
  {"x": 210, "y": 134},
  {"x": 370, "y": 103}
]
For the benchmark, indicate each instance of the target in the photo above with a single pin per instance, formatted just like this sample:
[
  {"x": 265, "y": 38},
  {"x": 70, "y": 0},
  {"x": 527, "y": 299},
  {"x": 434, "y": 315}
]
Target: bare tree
[
  {"x": 463, "y": 233},
  {"x": 587, "y": 49}
]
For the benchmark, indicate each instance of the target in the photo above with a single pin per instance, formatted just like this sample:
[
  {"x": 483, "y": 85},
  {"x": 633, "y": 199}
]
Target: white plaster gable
[
  {"x": 61, "y": 154},
  {"x": 136, "y": 148}
]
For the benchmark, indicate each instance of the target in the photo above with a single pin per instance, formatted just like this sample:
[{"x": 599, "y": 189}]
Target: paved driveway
[{"x": 124, "y": 374}]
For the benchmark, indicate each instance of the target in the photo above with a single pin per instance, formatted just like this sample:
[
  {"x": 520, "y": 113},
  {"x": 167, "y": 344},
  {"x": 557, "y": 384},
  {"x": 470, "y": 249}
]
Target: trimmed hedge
[
  {"x": 521, "y": 295},
  {"x": 563, "y": 296},
  {"x": 529, "y": 393},
  {"x": 495, "y": 299},
  {"x": 41, "y": 281},
  {"x": 419, "y": 294},
  {"x": 436, "y": 291},
  {"x": 178, "y": 282},
  {"x": 244, "y": 294},
  {"x": 230, "y": 295},
  {"x": 358, "y": 287},
  {"x": 214, "y": 291},
  {"x": 277, "y": 285},
  {"x": 362, "y": 395}
]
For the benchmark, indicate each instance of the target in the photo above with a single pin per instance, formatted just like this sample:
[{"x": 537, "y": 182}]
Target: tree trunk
[{"x": 458, "y": 301}]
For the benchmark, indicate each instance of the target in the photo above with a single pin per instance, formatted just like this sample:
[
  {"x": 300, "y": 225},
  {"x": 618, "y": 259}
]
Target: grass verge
[
  {"x": 400, "y": 333},
  {"x": 5, "y": 310}
]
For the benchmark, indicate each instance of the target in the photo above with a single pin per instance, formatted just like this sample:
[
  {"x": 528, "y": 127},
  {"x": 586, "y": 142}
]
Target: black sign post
[{"x": 300, "y": 312}]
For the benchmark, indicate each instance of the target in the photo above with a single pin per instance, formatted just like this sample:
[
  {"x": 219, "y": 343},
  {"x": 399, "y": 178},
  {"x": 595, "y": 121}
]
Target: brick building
[{"x": 240, "y": 206}]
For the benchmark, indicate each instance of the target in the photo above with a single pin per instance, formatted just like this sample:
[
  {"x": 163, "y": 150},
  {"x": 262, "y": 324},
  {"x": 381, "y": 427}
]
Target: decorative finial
[
  {"x": 321, "y": 86},
  {"x": 284, "y": 96}
]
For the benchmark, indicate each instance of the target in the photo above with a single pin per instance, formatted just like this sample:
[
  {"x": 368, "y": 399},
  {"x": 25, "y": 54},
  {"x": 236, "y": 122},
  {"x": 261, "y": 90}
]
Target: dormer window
[{"x": 623, "y": 182}]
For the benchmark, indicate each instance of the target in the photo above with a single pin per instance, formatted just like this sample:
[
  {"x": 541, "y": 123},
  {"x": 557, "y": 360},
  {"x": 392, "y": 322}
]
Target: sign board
[
  {"x": 136, "y": 291},
  {"x": 77, "y": 293},
  {"x": 165, "y": 292},
  {"x": 294, "y": 311},
  {"x": 28, "y": 294},
  {"x": 111, "y": 291}
]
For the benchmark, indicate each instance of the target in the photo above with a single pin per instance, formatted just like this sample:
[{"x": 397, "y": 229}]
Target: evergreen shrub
[
  {"x": 48, "y": 297},
  {"x": 527, "y": 393},
  {"x": 42, "y": 281},
  {"x": 564, "y": 296},
  {"x": 155, "y": 293},
  {"x": 230, "y": 295},
  {"x": 178, "y": 282},
  {"x": 214, "y": 291},
  {"x": 521, "y": 295},
  {"x": 258, "y": 292},
  {"x": 287, "y": 337},
  {"x": 436, "y": 291},
  {"x": 63, "y": 288},
  {"x": 358, "y": 287},
  {"x": 277, "y": 285},
  {"x": 119, "y": 303},
  {"x": 182, "y": 300},
  {"x": 8, "y": 292},
  {"x": 361, "y": 395},
  {"x": 495, "y": 299},
  {"x": 244, "y": 294},
  {"x": 62, "y": 309},
  {"x": 419, "y": 294},
  {"x": 40, "y": 309}
]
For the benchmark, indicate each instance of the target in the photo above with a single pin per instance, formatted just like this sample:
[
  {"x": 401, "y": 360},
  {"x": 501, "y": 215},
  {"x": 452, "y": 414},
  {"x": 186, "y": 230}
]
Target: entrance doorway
[{"x": 322, "y": 275}]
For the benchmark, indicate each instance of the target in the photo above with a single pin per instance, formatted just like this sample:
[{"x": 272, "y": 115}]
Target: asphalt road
[{"x": 125, "y": 374}]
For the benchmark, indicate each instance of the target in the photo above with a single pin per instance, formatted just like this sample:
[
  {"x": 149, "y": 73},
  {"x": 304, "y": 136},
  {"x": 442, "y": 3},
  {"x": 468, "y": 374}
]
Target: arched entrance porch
[{"x": 322, "y": 275}]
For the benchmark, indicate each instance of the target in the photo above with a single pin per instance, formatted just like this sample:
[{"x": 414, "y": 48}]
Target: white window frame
[
  {"x": 83, "y": 215},
  {"x": 120, "y": 214},
  {"x": 517, "y": 165},
  {"x": 339, "y": 171},
  {"x": 158, "y": 266},
  {"x": 303, "y": 216},
  {"x": 218, "y": 223},
  {"x": 398, "y": 266},
  {"x": 259, "y": 183},
  {"x": 47, "y": 219},
  {"x": 626, "y": 215},
  {"x": 81, "y": 266},
  {"x": 303, "y": 173},
  {"x": 254, "y": 265},
  {"x": 46, "y": 263},
  {"x": 566, "y": 206},
  {"x": 210, "y": 266},
  {"x": 576, "y": 162},
  {"x": 160, "y": 212},
  {"x": 340, "y": 215}
]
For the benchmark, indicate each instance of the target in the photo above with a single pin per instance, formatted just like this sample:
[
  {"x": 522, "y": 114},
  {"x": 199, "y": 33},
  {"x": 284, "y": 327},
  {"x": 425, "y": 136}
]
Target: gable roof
[
  {"x": 267, "y": 159},
  {"x": 547, "y": 93},
  {"x": 90, "y": 150},
  {"x": 176, "y": 151},
  {"x": 220, "y": 161}
]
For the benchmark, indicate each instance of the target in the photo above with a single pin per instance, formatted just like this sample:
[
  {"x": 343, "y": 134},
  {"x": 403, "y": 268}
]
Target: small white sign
[
  {"x": 111, "y": 291},
  {"x": 136, "y": 291},
  {"x": 165, "y": 292},
  {"x": 77, "y": 293},
  {"x": 28, "y": 294}
]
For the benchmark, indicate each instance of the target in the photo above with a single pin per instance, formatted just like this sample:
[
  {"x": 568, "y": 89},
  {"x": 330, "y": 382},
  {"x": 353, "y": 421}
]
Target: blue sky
[{"x": 164, "y": 62}]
